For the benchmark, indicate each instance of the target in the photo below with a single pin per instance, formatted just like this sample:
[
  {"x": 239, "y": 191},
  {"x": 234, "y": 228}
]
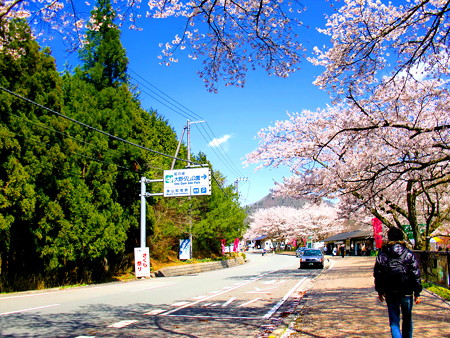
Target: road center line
[{"x": 29, "y": 309}]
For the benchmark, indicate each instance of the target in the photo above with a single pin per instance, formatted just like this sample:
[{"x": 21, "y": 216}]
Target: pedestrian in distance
[
  {"x": 342, "y": 249},
  {"x": 397, "y": 281}
]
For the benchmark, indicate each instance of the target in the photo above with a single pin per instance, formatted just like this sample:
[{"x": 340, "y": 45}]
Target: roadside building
[
  {"x": 261, "y": 242},
  {"x": 357, "y": 243}
]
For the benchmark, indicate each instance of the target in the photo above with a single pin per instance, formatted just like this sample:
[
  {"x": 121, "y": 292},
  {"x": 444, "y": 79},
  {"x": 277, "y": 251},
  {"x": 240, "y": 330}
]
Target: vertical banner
[
  {"x": 236, "y": 245},
  {"x": 377, "y": 232},
  {"x": 185, "y": 249},
  {"x": 222, "y": 243},
  {"x": 142, "y": 262}
]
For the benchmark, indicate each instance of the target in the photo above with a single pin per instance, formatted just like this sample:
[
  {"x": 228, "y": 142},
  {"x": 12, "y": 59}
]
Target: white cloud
[{"x": 219, "y": 141}]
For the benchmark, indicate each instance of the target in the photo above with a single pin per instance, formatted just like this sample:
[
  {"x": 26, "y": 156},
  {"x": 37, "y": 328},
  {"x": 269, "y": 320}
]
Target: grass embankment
[{"x": 438, "y": 290}]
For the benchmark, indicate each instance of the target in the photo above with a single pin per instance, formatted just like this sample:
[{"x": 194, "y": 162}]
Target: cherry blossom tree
[
  {"x": 277, "y": 223},
  {"x": 231, "y": 36},
  {"x": 313, "y": 221},
  {"x": 318, "y": 221},
  {"x": 373, "y": 39},
  {"x": 389, "y": 155}
]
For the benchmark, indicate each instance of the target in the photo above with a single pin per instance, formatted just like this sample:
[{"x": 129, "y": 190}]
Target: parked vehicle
[
  {"x": 312, "y": 258},
  {"x": 299, "y": 251}
]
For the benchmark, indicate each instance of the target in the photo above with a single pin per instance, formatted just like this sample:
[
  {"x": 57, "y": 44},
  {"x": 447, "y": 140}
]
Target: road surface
[{"x": 234, "y": 302}]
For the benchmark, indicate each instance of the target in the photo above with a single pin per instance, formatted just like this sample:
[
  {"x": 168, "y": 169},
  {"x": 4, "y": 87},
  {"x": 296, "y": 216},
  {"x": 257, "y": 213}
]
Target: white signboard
[
  {"x": 185, "y": 249},
  {"x": 187, "y": 182},
  {"x": 142, "y": 262}
]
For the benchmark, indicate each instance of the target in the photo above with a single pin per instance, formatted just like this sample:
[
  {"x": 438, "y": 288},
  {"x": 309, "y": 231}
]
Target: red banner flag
[
  {"x": 222, "y": 242},
  {"x": 236, "y": 245},
  {"x": 377, "y": 232}
]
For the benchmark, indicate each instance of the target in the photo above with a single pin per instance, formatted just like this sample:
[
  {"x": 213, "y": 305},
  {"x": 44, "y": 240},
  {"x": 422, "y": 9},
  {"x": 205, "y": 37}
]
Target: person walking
[
  {"x": 397, "y": 281},
  {"x": 342, "y": 250}
]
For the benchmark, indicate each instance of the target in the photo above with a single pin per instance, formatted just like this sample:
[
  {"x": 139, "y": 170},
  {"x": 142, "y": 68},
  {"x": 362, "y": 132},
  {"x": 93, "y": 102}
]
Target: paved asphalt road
[{"x": 234, "y": 302}]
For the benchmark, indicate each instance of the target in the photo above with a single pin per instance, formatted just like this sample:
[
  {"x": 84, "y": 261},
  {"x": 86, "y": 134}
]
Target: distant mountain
[{"x": 271, "y": 201}]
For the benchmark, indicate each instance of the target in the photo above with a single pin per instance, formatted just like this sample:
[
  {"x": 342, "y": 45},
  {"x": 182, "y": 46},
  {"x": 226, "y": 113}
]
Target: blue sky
[{"x": 234, "y": 115}]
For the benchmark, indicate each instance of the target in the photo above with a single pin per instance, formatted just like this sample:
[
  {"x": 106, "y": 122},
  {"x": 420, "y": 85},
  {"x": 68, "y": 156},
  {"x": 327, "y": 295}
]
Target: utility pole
[
  {"x": 236, "y": 183},
  {"x": 187, "y": 128}
]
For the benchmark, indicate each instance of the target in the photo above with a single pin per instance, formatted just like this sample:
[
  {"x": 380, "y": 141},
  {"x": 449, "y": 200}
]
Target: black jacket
[{"x": 394, "y": 250}]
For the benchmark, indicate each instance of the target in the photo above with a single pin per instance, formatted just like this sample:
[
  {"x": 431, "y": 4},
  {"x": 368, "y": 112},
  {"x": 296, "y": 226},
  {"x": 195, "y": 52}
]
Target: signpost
[{"x": 187, "y": 182}]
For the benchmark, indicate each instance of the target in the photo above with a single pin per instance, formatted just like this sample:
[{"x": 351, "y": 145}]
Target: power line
[
  {"x": 103, "y": 132},
  {"x": 166, "y": 100},
  {"x": 90, "y": 127},
  {"x": 185, "y": 112},
  {"x": 40, "y": 125}
]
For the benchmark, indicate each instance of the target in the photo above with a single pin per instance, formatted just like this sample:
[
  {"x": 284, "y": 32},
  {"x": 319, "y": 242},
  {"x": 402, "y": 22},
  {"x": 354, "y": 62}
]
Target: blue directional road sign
[{"x": 187, "y": 182}]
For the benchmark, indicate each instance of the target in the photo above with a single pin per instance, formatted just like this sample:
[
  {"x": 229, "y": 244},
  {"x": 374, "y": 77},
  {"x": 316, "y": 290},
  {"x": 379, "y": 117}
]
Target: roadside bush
[{"x": 438, "y": 290}]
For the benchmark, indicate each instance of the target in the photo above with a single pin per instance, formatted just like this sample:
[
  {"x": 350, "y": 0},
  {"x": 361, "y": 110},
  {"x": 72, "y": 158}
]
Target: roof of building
[{"x": 348, "y": 235}]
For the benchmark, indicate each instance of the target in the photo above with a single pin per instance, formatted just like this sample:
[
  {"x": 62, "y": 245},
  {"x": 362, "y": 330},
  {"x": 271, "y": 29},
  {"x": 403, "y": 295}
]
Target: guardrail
[{"x": 435, "y": 267}]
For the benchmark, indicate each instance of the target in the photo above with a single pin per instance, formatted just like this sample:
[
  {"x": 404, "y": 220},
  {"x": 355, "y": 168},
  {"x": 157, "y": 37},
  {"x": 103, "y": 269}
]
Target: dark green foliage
[{"x": 69, "y": 200}]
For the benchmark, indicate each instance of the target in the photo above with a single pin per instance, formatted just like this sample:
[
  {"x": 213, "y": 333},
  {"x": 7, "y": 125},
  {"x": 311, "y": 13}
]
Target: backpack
[{"x": 396, "y": 273}]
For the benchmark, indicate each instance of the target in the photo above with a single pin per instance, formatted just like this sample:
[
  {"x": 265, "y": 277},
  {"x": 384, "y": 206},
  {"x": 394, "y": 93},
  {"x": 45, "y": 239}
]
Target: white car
[{"x": 312, "y": 258}]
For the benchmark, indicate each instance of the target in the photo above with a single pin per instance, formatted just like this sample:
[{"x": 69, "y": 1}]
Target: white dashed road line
[{"x": 122, "y": 324}]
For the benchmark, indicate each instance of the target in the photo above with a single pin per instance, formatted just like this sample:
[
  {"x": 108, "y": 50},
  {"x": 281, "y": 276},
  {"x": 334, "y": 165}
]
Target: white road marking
[
  {"x": 169, "y": 313},
  {"x": 29, "y": 309},
  {"x": 286, "y": 296},
  {"x": 273, "y": 281},
  {"x": 228, "y": 302},
  {"x": 199, "y": 297},
  {"x": 154, "y": 312},
  {"x": 249, "y": 302},
  {"x": 214, "y": 317},
  {"x": 122, "y": 324},
  {"x": 198, "y": 301},
  {"x": 181, "y": 304},
  {"x": 258, "y": 290}
]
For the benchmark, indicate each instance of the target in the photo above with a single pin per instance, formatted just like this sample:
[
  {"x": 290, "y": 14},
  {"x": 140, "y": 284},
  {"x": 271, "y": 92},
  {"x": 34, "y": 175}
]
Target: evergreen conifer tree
[{"x": 105, "y": 62}]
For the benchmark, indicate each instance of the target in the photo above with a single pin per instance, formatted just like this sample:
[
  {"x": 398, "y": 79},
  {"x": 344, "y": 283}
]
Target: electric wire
[
  {"x": 40, "y": 125},
  {"x": 103, "y": 132},
  {"x": 185, "y": 112},
  {"x": 165, "y": 99},
  {"x": 90, "y": 127}
]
